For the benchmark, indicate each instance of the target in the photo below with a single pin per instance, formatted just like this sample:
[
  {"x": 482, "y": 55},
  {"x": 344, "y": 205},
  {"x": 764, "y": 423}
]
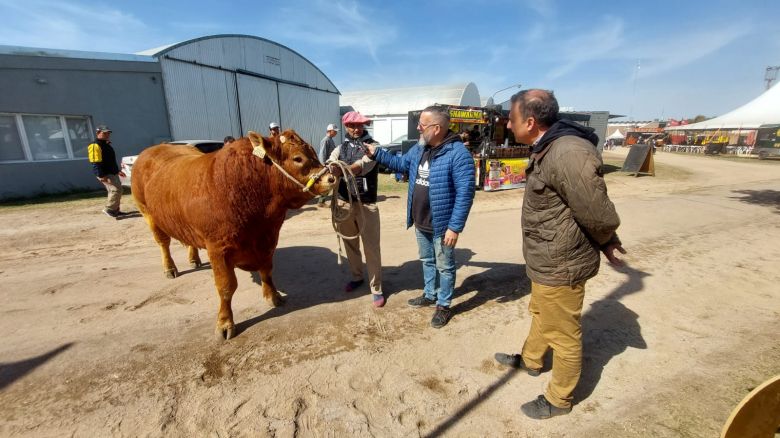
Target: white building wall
[{"x": 386, "y": 129}]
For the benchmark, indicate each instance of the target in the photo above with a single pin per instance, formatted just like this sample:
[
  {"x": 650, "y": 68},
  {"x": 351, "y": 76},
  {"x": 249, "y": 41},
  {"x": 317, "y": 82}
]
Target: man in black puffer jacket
[
  {"x": 567, "y": 221},
  {"x": 103, "y": 158}
]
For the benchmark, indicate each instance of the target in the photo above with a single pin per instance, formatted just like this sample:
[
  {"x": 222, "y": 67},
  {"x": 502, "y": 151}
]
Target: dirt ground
[{"x": 99, "y": 343}]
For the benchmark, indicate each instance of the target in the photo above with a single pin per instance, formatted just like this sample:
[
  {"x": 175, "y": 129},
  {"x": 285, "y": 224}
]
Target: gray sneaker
[
  {"x": 441, "y": 317},
  {"x": 421, "y": 301},
  {"x": 515, "y": 361},
  {"x": 541, "y": 409}
]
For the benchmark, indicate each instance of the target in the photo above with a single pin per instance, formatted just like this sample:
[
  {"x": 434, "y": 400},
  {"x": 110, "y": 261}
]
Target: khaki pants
[
  {"x": 555, "y": 324},
  {"x": 368, "y": 227},
  {"x": 114, "y": 188}
]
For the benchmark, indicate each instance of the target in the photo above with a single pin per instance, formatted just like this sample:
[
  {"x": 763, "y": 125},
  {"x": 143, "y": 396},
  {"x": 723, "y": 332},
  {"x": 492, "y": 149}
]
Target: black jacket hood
[{"x": 563, "y": 128}]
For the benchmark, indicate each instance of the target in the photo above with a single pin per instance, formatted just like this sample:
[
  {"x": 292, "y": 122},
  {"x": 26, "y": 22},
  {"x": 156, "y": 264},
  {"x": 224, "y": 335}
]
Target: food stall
[{"x": 500, "y": 162}]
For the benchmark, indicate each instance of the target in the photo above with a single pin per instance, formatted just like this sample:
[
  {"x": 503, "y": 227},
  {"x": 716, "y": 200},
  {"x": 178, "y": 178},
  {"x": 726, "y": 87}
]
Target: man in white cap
[
  {"x": 274, "y": 127},
  {"x": 326, "y": 147}
]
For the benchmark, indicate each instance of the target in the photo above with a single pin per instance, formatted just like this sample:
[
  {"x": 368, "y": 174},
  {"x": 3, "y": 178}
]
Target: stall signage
[
  {"x": 505, "y": 173},
  {"x": 648, "y": 130},
  {"x": 466, "y": 116}
]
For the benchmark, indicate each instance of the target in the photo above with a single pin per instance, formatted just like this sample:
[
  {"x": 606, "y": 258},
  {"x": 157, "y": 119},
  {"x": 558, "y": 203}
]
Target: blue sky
[{"x": 694, "y": 57}]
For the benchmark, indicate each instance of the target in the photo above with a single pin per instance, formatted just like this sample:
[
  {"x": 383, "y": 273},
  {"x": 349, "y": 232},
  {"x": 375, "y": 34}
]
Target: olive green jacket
[{"x": 567, "y": 215}]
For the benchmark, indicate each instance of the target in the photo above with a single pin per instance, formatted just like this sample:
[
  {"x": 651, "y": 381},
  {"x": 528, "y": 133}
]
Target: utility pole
[
  {"x": 633, "y": 91},
  {"x": 771, "y": 75}
]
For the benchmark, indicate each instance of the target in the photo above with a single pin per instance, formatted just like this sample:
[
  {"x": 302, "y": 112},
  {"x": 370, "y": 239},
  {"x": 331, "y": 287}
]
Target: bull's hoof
[
  {"x": 277, "y": 300},
  {"x": 224, "y": 334},
  {"x": 196, "y": 264},
  {"x": 171, "y": 273}
]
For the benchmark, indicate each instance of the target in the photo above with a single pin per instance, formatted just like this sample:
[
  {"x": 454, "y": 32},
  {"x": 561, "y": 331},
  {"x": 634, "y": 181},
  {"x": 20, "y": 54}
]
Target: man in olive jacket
[{"x": 567, "y": 221}]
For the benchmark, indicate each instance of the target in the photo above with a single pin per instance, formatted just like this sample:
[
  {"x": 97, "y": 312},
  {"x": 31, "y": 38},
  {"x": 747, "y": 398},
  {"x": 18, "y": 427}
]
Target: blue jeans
[{"x": 438, "y": 264}]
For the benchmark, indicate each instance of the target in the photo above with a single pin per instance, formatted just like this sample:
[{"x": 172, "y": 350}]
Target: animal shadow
[
  {"x": 204, "y": 266},
  {"x": 130, "y": 215},
  {"x": 308, "y": 275}
]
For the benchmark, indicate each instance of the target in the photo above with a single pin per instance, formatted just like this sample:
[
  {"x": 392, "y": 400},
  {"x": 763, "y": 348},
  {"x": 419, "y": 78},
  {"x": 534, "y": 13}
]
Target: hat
[
  {"x": 102, "y": 128},
  {"x": 273, "y": 125},
  {"x": 355, "y": 117},
  {"x": 332, "y": 127}
]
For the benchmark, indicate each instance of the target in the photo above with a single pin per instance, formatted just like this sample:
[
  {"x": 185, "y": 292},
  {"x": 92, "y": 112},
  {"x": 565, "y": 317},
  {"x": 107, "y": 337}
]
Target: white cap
[
  {"x": 273, "y": 125},
  {"x": 332, "y": 127}
]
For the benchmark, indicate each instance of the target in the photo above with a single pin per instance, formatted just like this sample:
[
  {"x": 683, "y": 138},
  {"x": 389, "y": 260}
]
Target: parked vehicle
[
  {"x": 395, "y": 145},
  {"x": 205, "y": 146},
  {"x": 767, "y": 142}
]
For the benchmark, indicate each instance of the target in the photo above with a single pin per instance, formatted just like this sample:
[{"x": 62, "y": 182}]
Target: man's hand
[
  {"x": 609, "y": 251},
  {"x": 371, "y": 149},
  {"x": 450, "y": 238},
  {"x": 334, "y": 170}
]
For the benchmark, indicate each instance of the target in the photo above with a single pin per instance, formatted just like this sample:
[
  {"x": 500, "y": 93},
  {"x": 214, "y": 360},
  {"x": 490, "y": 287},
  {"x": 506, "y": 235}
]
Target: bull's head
[{"x": 297, "y": 158}]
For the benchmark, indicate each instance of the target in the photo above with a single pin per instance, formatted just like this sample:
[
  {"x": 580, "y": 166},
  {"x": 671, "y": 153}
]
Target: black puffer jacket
[{"x": 567, "y": 215}]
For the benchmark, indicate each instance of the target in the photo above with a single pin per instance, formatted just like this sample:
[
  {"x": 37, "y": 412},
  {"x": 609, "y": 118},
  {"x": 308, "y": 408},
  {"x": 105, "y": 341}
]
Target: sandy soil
[{"x": 99, "y": 343}]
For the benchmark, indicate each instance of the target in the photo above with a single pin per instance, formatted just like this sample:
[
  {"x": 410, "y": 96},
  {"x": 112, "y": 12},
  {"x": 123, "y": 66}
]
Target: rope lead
[{"x": 339, "y": 214}]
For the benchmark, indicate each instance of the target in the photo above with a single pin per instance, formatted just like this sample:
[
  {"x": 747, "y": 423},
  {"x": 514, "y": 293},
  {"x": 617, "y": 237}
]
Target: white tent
[
  {"x": 402, "y": 100},
  {"x": 617, "y": 135},
  {"x": 763, "y": 110},
  {"x": 389, "y": 108}
]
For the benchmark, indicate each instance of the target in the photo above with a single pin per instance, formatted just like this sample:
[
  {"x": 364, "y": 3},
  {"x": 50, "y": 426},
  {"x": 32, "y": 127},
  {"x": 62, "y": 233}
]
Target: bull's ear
[{"x": 259, "y": 144}]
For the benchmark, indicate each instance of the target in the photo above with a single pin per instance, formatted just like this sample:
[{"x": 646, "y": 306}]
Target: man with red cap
[{"x": 363, "y": 221}]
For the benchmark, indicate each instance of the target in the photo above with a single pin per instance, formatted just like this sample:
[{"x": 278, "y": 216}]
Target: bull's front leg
[
  {"x": 226, "y": 283},
  {"x": 269, "y": 290}
]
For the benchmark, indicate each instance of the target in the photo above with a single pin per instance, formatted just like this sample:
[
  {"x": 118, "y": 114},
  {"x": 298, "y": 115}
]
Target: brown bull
[{"x": 231, "y": 202}]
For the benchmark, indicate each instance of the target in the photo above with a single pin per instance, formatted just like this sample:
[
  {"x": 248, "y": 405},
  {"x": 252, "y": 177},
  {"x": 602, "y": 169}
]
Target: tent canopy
[
  {"x": 617, "y": 135},
  {"x": 400, "y": 101},
  {"x": 763, "y": 110}
]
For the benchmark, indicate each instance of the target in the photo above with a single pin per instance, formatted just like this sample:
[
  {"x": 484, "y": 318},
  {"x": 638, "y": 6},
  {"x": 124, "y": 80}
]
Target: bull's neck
[{"x": 255, "y": 188}]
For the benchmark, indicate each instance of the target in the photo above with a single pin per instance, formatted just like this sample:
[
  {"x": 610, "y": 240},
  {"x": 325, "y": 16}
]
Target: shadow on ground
[
  {"x": 608, "y": 329},
  {"x": 13, "y": 371},
  {"x": 500, "y": 282},
  {"x": 766, "y": 198},
  {"x": 130, "y": 215},
  {"x": 298, "y": 272}
]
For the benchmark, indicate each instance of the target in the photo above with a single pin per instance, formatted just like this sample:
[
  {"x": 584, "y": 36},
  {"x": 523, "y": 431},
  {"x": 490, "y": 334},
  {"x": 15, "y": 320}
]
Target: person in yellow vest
[{"x": 103, "y": 158}]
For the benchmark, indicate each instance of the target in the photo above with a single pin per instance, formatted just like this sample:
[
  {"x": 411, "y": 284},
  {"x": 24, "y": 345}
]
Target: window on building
[
  {"x": 10, "y": 143},
  {"x": 37, "y": 137},
  {"x": 45, "y": 137},
  {"x": 80, "y": 135}
]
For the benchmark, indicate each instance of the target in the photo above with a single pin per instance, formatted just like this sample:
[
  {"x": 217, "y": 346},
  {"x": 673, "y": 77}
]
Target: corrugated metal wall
[
  {"x": 201, "y": 77},
  {"x": 201, "y": 101},
  {"x": 259, "y": 103},
  {"x": 307, "y": 111}
]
